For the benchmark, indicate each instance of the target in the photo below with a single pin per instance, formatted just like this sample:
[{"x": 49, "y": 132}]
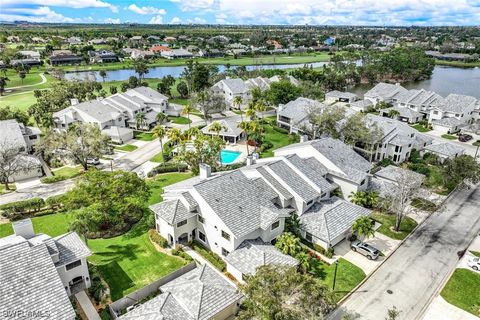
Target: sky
[{"x": 258, "y": 12}]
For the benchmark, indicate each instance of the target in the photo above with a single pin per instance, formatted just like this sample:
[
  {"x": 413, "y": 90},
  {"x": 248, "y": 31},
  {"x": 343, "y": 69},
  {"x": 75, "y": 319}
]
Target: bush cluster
[
  {"x": 158, "y": 239},
  {"x": 212, "y": 257},
  {"x": 169, "y": 167}
]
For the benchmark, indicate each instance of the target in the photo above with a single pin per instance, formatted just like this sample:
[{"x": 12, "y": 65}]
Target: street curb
[{"x": 391, "y": 253}]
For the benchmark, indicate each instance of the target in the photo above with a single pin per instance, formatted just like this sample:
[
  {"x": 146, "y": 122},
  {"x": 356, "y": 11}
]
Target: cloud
[
  {"x": 146, "y": 10},
  {"x": 156, "y": 20},
  {"x": 112, "y": 21},
  {"x": 197, "y": 20},
  {"x": 40, "y": 14},
  {"x": 76, "y": 4},
  {"x": 193, "y": 5},
  {"x": 175, "y": 20}
]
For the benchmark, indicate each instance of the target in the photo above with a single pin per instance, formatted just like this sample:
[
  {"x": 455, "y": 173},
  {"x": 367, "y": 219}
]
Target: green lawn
[
  {"x": 10, "y": 185},
  {"x": 475, "y": 253},
  {"x": 277, "y": 139},
  {"x": 388, "y": 221},
  {"x": 16, "y": 81},
  {"x": 126, "y": 148},
  {"x": 476, "y": 143},
  {"x": 52, "y": 224},
  {"x": 463, "y": 290},
  {"x": 449, "y": 137},
  {"x": 156, "y": 184},
  {"x": 179, "y": 120},
  {"x": 157, "y": 158},
  {"x": 421, "y": 128},
  {"x": 348, "y": 276},
  {"x": 181, "y": 101},
  {"x": 458, "y": 64},
  {"x": 143, "y": 136},
  {"x": 20, "y": 101},
  {"x": 65, "y": 173}
]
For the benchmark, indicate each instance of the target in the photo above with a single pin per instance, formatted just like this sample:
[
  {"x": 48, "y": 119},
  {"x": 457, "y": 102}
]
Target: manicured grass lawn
[
  {"x": 52, "y": 224},
  {"x": 463, "y": 290},
  {"x": 157, "y": 158},
  {"x": 126, "y": 147},
  {"x": 421, "y": 128},
  {"x": 16, "y": 81},
  {"x": 179, "y": 120},
  {"x": 68, "y": 172},
  {"x": 348, "y": 276},
  {"x": 476, "y": 143},
  {"x": 181, "y": 101},
  {"x": 20, "y": 101},
  {"x": 388, "y": 221},
  {"x": 277, "y": 139},
  {"x": 449, "y": 137},
  {"x": 156, "y": 184},
  {"x": 475, "y": 253},
  {"x": 459, "y": 64},
  {"x": 143, "y": 136},
  {"x": 10, "y": 185}
]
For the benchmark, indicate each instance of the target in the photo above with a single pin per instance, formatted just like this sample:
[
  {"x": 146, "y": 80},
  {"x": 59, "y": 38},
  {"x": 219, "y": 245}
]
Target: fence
[{"x": 133, "y": 298}]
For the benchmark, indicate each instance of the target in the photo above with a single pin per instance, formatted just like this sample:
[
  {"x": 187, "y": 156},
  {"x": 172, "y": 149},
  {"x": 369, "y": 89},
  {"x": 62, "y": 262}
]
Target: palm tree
[
  {"x": 363, "y": 227},
  {"x": 140, "y": 68},
  {"x": 392, "y": 113},
  {"x": 367, "y": 199},
  {"x": 260, "y": 106},
  {"x": 190, "y": 133},
  {"x": 293, "y": 224},
  {"x": 216, "y": 127},
  {"x": 161, "y": 117},
  {"x": 251, "y": 112},
  {"x": 175, "y": 135},
  {"x": 103, "y": 74},
  {"x": 304, "y": 260},
  {"x": 187, "y": 110},
  {"x": 159, "y": 132},
  {"x": 289, "y": 244},
  {"x": 140, "y": 119},
  {"x": 245, "y": 126},
  {"x": 237, "y": 101}
]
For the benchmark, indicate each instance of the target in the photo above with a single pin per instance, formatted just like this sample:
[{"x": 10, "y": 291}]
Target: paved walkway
[
  {"x": 442, "y": 310},
  {"x": 87, "y": 306}
]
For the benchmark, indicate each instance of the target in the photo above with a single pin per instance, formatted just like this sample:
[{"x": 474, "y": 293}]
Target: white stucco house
[
  {"x": 294, "y": 116},
  {"x": 444, "y": 150},
  {"x": 39, "y": 272}
]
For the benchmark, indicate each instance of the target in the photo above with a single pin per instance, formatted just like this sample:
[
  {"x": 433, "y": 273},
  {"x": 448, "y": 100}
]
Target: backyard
[
  {"x": 274, "y": 136},
  {"x": 462, "y": 290}
]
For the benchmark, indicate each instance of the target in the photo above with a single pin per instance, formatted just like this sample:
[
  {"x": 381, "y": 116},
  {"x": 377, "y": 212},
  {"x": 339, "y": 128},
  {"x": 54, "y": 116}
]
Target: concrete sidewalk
[
  {"x": 440, "y": 309},
  {"x": 87, "y": 306}
]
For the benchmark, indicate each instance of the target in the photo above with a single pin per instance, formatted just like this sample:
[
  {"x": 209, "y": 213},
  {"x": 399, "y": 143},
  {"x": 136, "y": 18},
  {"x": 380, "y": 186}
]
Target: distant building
[
  {"x": 158, "y": 49},
  {"x": 61, "y": 57},
  {"x": 176, "y": 54},
  {"x": 210, "y": 53},
  {"x": 103, "y": 56}
]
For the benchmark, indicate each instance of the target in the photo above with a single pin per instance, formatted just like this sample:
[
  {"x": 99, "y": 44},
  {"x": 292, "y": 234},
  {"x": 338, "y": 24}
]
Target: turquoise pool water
[{"x": 228, "y": 156}]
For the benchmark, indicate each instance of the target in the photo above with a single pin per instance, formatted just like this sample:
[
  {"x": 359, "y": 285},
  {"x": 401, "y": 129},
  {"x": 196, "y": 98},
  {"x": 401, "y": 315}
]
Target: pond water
[
  {"x": 445, "y": 80},
  {"x": 160, "y": 72}
]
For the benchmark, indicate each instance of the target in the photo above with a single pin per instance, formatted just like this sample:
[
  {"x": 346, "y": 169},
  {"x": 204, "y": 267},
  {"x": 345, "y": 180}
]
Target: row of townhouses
[{"x": 117, "y": 115}]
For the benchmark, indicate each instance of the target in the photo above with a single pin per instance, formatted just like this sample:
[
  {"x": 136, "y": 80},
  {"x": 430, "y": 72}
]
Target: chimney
[
  {"x": 24, "y": 228},
  {"x": 303, "y": 138},
  {"x": 250, "y": 160},
  {"x": 74, "y": 101},
  {"x": 205, "y": 171}
]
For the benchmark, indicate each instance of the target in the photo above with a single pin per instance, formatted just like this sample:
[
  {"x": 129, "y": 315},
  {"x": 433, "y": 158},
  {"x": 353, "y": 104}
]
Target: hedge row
[
  {"x": 281, "y": 130},
  {"x": 212, "y": 257},
  {"x": 167, "y": 167},
  {"x": 25, "y": 206},
  {"x": 156, "y": 238}
]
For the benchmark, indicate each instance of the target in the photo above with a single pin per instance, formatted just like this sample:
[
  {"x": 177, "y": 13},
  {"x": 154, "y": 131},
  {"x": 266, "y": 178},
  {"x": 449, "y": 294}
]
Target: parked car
[
  {"x": 474, "y": 263},
  {"x": 367, "y": 250},
  {"x": 93, "y": 161},
  {"x": 465, "y": 137}
]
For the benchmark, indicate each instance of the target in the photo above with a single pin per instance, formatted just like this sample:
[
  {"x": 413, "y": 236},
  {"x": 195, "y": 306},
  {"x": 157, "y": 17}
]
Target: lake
[
  {"x": 160, "y": 72},
  {"x": 445, "y": 80}
]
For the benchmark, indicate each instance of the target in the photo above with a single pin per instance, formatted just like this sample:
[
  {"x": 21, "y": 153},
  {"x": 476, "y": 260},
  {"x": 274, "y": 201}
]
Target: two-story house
[
  {"x": 451, "y": 113},
  {"x": 39, "y": 272},
  {"x": 294, "y": 116}
]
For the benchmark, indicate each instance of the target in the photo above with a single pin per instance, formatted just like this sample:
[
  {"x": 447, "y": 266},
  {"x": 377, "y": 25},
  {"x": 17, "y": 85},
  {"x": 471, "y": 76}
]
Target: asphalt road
[
  {"x": 418, "y": 269},
  {"x": 42, "y": 191}
]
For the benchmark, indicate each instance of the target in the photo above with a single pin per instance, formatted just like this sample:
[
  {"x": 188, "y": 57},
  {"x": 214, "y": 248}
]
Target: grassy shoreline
[{"x": 457, "y": 64}]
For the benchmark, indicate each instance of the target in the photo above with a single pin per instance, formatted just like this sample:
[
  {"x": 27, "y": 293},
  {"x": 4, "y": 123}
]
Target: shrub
[
  {"x": 53, "y": 179},
  {"x": 25, "y": 206},
  {"x": 420, "y": 168},
  {"x": 330, "y": 252},
  {"x": 212, "y": 257},
  {"x": 182, "y": 254},
  {"x": 319, "y": 249},
  {"x": 280, "y": 130},
  {"x": 55, "y": 202},
  {"x": 169, "y": 167},
  {"x": 386, "y": 162},
  {"x": 424, "y": 204},
  {"x": 156, "y": 238}
]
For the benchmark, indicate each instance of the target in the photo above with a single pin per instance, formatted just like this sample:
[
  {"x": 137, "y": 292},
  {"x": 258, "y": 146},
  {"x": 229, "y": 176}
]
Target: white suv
[{"x": 474, "y": 263}]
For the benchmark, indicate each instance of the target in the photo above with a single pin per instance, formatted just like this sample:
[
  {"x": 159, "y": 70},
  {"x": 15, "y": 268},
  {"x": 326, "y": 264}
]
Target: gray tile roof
[
  {"x": 70, "y": 248},
  {"x": 202, "y": 292},
  {"x": 162, "y": 307},
  {"x": 230, "y": 127},
  {"x": 11, "y": 134},
  {"x": 361, "y": 104},
  {"x": 236, "y": 85},
  {"x": 340, "y": 94},
  {"x": 252, "y": 254},
  {"x": 385, "y": 91},
  {"x": 297, "y": 110},
  {"x": 95, "y": 109},
  {"x": 294, "y": 180},
  {"x": 326, "y": 220},
  {"x": 455, "y": 103},
  {"x": 392, "y": 173},
  {"x": 449, "y": 122},
  {"x": 445, "y": 148},
  {"x": 274, "y": 183},
  {"x": 147, "y": 94},
  {"x": 238, "y": 200},
  {"x": 172, "y": 211},
  {"x": 313, "y": 169},
  {"x": 30, "y": 282},
  {"x": 404, "y": 112}
]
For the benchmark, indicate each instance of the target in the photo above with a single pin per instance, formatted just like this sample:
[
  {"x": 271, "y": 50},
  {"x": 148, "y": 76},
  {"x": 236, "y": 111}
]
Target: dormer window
[
  {"x": 275, "y": 225},
  {"x": 73, "y": 265}
]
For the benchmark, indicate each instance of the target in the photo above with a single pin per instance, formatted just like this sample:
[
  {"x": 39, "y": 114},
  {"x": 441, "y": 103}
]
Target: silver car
[{"x": 367, "y": 250}]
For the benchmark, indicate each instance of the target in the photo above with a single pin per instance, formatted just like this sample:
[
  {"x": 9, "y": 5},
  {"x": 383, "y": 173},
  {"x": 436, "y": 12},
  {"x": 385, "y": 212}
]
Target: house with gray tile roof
[
  {"x": 252, "y": 254},
  {"x": 328, "y": 222},
  {"x": 200, "y": 294},
  {"x": 450, "y": 114},
  {"x": 404, "y": 114},
  {"x": 361, "y": 105},
  {"x": 230, "y": 129},
  {"x": 16, "y": 138},
  {"x": 385, "y": 92},
  {"x": 340, "y": 96},
  {"x": 39, "y": 273},
  {"x": 293, "y": 116},
  {"x": 444, "y": 150},
  {"x": 231, "y": 88}
]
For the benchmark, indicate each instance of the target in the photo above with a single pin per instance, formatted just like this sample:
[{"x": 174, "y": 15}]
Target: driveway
[
  {"x": 383, "y": 243},
  {"x": 413, "y": 275}
]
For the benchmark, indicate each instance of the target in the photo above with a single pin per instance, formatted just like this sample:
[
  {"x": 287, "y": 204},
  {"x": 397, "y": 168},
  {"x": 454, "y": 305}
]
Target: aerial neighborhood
[{"x": 210, "y": 171}]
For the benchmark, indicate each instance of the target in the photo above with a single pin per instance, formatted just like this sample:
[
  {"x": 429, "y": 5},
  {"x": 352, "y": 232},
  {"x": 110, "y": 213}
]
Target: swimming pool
[{"x": 228, "y": 156}]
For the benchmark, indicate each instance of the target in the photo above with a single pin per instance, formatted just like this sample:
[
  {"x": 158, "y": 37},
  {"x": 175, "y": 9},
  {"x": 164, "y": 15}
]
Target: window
[
  {"x": 225, "y": 252},
  {"x": 201, "y": 219},
  {"x": 201, "y": 236},
  {"x": 73, "y": 265},
  {"x": 181, "y": 223},
  {"x": 309, "y": 202},
  {"x": 225, "y": 235},
  {"x": 275, "y": 225},
  {"x": 308, "y": 237},
  {"x": 435, "y": 112}
]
